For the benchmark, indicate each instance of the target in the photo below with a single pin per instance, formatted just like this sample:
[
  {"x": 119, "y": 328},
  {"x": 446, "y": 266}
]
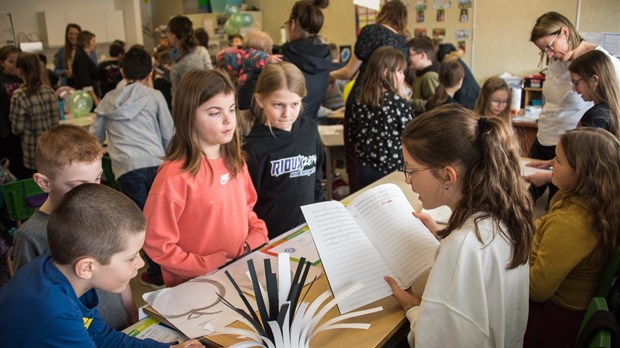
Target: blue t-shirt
[{"x": 39, "y": 308}]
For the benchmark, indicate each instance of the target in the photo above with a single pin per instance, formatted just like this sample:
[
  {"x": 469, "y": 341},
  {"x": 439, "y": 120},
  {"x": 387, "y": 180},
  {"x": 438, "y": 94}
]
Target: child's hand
[
  {"x": 405, "y": 299},
  {"x": 540, "y": 164},
  {"x": 274, "y": 58},
  {"x": 188, "y": 343},
  {"x": 428, "y": 221},
  {"x": 539, "y": 179}
]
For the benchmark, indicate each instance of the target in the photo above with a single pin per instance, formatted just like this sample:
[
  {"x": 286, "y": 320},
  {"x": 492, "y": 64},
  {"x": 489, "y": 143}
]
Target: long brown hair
[
  {"x": 490, "y": 86},
  {"x": 486, "y": 156},
  {"x": 594, "y": 154},
  {"x": 394, "y": 15},
  {"x": 551, "y": 23},
  {"x": 451, "y": 72},
  {"x": 382, "y": 66},
  {"x": 183, "y": 29},
  {"x": 196, "y": 88},
  {"x": 597, "y": 63},
  {"x": 68, "y": 46},
  {"x": 31, "y": 67}
]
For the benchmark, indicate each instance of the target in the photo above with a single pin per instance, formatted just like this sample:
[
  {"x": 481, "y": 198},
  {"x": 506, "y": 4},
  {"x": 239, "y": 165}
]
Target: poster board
[{"x": 7, "y": 31}]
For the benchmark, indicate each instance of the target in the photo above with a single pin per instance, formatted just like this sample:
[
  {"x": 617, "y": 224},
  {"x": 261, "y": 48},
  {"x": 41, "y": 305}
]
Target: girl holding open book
[
  {"x": 575, "y": 240},
  {"x": 477, "y": 291}
]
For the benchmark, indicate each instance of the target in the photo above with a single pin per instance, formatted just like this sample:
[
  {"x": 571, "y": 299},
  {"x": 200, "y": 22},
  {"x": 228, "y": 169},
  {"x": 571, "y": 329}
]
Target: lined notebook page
[
  {"x": 408, "y": 247},
  {"x": 347, "y": 254}
]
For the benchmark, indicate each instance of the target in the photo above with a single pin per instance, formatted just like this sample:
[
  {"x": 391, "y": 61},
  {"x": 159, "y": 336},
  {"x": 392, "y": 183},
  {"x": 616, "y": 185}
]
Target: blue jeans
[{"x": 136, "y": 185}]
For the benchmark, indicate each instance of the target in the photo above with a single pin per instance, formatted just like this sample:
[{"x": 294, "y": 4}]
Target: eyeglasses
[
  {"x": 576, "y": 82},
  {"x": 409, "y": 173},
  {"x": 549, "y": 47},
  {"x": 498, "y": 102}
]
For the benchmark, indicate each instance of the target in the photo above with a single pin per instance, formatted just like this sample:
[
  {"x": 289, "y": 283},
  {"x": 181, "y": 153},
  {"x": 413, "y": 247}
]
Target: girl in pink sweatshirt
[{"x": 199, "y": 209}]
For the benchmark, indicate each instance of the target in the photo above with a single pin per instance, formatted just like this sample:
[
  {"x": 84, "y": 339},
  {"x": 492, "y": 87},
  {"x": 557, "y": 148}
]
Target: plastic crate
[{"x": 22, "y": 197}]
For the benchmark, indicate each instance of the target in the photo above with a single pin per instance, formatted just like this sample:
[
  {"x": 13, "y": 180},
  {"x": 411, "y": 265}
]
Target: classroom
[{"x": 460, "y": 188}]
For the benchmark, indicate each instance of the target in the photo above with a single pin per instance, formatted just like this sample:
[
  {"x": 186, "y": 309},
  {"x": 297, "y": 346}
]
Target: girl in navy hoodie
[{"x": 284, "y": 151}]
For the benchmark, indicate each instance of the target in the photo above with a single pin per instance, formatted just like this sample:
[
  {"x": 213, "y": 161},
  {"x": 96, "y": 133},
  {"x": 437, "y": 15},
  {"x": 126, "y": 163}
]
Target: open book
[{"x": 374, "y": 236}]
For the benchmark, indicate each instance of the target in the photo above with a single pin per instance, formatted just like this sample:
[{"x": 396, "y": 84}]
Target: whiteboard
[{"x": 7, "y": 33}]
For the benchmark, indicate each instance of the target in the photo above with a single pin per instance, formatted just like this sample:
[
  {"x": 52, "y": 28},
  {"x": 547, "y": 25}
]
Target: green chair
[
  {"x": 595, "y": 331},
  {"x": 108, "y": 174},
  {"x": 607, "y": 280},
  {"x": 22, "y": 197}
]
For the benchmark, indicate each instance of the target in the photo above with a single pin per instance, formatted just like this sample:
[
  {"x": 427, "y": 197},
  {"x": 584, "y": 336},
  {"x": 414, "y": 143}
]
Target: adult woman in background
[
  {"x": 389, "y": 30},
  {"x": 308, "y": 53},
  {"x": 188, "y": 54},
  {"x": 63, "y": 59},
  {"x": 560, "y": 44}
]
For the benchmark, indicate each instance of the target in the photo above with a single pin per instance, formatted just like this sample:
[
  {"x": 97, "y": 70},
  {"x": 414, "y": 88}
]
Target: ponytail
[
  {"x": 182, "y": 28},
  {"x": 450, "y": 74},
  {"x": 486, "y": 157}
]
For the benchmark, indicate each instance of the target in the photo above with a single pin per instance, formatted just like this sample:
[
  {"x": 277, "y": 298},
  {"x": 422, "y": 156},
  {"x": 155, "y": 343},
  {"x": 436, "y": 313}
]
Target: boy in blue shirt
[{"x": 95, "y": 235}]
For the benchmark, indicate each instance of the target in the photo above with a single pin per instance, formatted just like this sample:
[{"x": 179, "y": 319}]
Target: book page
[
  {"x": 347, "y": 254},
  {"x": 527, "y": 171},
  {"x": 408, "y": 247}
]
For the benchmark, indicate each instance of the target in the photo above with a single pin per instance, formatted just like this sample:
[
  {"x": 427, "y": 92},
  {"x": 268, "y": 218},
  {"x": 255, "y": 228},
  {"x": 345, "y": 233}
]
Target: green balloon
[
  {"x": 247, "y": 19},
  {"x": 230, "y": 29},
  {"x": 80, "y": 103},
  {"x": 231, "y": 9},
  {"x": 236, "y": 20}
]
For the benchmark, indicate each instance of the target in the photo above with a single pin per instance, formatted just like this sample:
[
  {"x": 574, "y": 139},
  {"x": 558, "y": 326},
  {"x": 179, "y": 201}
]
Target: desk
[
  {"x": 337, "y": 114},
  {"x": 333, "y": 143},
  {"x": 384, "y": 324},
  {"x": 526, "y": 130}
]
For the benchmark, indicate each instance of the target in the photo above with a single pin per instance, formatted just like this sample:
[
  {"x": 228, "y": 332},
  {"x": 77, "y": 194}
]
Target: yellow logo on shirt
[{"x": 87, "y": 322}]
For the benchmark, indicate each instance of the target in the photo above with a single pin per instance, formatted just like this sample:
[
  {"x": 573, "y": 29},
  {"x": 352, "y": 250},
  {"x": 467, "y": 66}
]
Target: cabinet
[
  {"x": 107, "y": 26},
  {"x": 530, "y": 94}
]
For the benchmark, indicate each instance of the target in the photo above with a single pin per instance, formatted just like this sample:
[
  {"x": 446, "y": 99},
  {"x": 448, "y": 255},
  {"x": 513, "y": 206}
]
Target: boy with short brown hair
[{"x": 67, "y": 156}]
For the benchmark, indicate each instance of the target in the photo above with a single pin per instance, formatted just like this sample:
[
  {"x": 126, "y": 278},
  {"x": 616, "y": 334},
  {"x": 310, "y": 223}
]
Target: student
[
  {"x": 84, "y": 69},
  {"x": 246, "y": 64},
  {"x": 63, "y": 59},
  {"x": 389, "y": 30},
  {"x": 593, "y": 76},
  {"x": 575, "y": 240},
  {"x": 161, "y": 80},
  {"x": 494, "y": 99},
  {"x": 559, "y": 44},
  {"x": 34, "y": 106},
  {"x": 477, "y": 291},
  {"x": 187, "y": 52},
  {"x": 307, "y": 52},
  {"x": 199, "y": 210},
  {"x": 202, "y": 36},
  {"x": 421, "y": 57},
  {"x": 451, "y": 76},
  {"x": 10, "y": 144},
  {"x": 66, "y": 157},
  {"x": 380, "y": 115},
  {"x": 235, "y": 41},
  {"x": 280, "y": 138},
  {"x": 138, "y": 127},
  {"x": 52, "y": 79},
  {"x": 470, "y": 89},
  {"x": 95, "y": 236},
  {"x": 109, "y": 70}
]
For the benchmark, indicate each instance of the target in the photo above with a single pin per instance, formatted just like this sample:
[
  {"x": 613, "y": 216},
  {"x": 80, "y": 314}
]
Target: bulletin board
[
  {"x": 7, "y": 32},
  {"x": 447, "y": 21}
]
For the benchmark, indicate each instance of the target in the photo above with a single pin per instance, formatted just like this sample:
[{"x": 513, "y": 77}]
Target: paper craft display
[
  {"x": 374, "y": 236},
  {"x": 439, "y": 33},
  {"x": 419, "y": 32},
  {"x": 461, "y": 34},
  {"x": 297, "y": 244},
  {"x": 527, "y": 171},
  {"x": 284, "y": 320}
]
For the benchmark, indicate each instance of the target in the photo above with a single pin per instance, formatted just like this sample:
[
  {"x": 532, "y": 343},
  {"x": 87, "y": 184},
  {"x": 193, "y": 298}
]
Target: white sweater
[{"x": 471, "y": 299}]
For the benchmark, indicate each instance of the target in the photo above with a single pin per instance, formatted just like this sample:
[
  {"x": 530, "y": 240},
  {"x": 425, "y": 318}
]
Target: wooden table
[
  {"x": 384, "y": 324},
  {"x": 81, "y": 121},
  {"x": 526, "y": 130}
]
